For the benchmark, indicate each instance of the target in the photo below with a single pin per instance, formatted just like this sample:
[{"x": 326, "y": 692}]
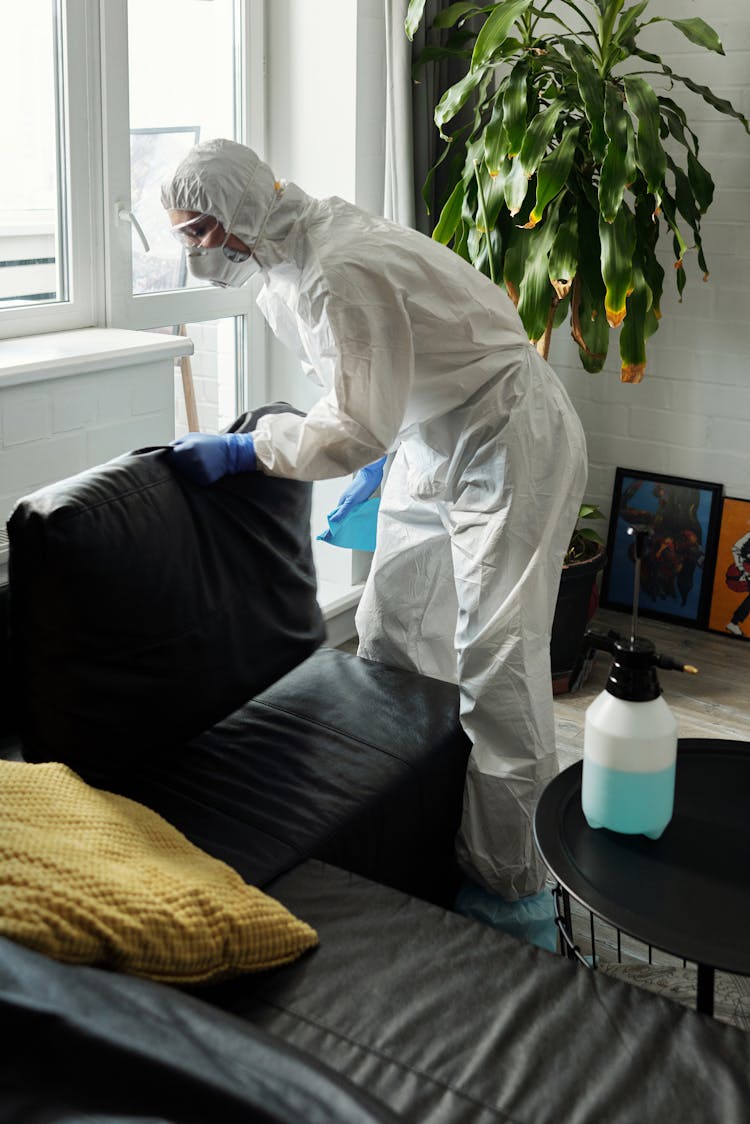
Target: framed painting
[
  {"x": 679, "y": 519},
  {"x": 730, "y": 594}
]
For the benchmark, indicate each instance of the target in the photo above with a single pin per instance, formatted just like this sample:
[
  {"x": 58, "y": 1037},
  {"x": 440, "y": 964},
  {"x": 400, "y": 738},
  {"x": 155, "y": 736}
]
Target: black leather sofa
[{"x": 165, "y": 642}]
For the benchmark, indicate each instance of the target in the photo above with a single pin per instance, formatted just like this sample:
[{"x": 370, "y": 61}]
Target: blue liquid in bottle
[{"x": 630, "y": 802}]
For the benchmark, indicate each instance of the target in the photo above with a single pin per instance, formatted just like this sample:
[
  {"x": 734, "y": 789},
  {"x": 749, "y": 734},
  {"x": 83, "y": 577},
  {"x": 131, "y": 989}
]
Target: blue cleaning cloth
[{"x": 356, "y": 531}]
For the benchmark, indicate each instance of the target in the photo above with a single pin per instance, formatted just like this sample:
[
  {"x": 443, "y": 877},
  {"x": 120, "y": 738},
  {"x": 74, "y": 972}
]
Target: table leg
[
  {"x": 705, "y": 996},
  {"x": 568, "y": 922}
]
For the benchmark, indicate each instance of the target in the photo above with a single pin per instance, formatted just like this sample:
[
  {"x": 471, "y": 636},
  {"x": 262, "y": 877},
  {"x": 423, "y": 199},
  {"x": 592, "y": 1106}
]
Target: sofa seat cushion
[
  {"x": 144, "y": 608},
  {"x": 342, "y": 759},
  {"x": 93, "y": 878},
  {"x": 83, "y": 1044},
  {"x": 444, "y": 1019}
]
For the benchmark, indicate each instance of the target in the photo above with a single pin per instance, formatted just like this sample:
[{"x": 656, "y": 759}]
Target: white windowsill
[
  {"x": 339, "y": 604},
  {"x": 57, "y": 354}
]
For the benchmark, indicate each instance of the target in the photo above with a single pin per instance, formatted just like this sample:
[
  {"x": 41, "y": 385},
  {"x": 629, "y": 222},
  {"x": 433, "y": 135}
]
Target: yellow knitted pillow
[{"x": 92, "y": 878}]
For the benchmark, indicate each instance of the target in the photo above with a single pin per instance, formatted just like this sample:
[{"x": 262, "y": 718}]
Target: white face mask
[{"x": 214, "y": 266}]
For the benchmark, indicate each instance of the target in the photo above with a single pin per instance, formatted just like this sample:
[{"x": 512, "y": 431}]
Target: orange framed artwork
[{"x": 730, "y": 596}]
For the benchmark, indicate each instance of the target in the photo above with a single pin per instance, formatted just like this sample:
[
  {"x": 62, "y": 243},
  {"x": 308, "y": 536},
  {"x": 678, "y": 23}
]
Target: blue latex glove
[
  {"x": 206, "y": 457},
  {"x": 365, "y": 482}
]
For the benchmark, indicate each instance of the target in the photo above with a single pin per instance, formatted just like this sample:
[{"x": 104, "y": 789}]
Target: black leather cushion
[
  {"x": 342, "y": 759},
  {"x": 82, "y": 1044},
  {"x": 144, "y": 609},
  {"x": 445, "y": 1019}
]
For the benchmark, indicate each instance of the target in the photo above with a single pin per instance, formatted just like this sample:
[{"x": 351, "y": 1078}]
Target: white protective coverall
[{"x": 422, "y": 356}]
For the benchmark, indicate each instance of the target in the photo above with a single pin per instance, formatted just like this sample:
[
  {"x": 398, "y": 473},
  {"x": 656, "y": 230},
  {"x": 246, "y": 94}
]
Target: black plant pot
[{"x": 576, "y": 603}]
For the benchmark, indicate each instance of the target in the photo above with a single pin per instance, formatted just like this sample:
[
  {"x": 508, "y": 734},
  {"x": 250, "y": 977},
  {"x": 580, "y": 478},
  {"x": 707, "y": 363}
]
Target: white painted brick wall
[
  {"x": 691, "y": 414},
  {"x": 56, "y": 428}
]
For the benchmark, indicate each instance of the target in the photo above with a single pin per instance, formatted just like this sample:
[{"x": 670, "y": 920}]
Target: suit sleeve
[{"x": 365, "y": 355}]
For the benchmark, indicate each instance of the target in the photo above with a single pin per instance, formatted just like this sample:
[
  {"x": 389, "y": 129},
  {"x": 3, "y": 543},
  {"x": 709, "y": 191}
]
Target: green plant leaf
[
  {"x": 515, "y": 260},
  {"x": 414, "y": 14},
  {"x": 495, "y": 30},
  {"x": 628, "y": 19},
  {"x": 701, "y": 182},
  {"x": 456, "y": 97},
  {"x": 721, "y": 104},
  {"x": 451, "y": 15},
  {"x": 538, "y": 136},
  {"x": 514, "y": 106},
  {"x": 563, "y": 256},
  {"x": 684, "y": 197},
  {"x": 697, "y": 31},
  {"x": 650, "y": 155},
  {"x": 454, "y": 158},
  {"x": 589, "y": 326},
  {"x": 515, "y": 187},
  {"x": 495, "y": 138},
  {"x": 616, "y": 166},
  {"x": 634, "y": 331},
  {"x": 687, "y": 206},
  {"x": 483, "y": 223},
  {"x": 553, "y": 173},
  {"x": 673, "y": 116},
  {"x": 589, "y": 248},
  {"x": 591, "y": 89},
  {"x": 494, "y": 192},
  {"x": 610, "y": 10},
  {"x": 450, "y": 216},
  {"x": 670, "y": 214},
  {"x": 647, "y": 236},
  {"x": 617, "y": 244},
  {"x": 535, "y": 288}
]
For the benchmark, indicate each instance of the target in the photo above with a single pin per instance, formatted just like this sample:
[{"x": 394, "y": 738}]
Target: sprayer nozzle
[{"x": 670, "y": 664}]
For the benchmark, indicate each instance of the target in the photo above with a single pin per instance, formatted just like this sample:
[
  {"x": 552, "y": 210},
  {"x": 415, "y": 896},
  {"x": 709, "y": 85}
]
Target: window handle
[{"x": 125, "y": 215}]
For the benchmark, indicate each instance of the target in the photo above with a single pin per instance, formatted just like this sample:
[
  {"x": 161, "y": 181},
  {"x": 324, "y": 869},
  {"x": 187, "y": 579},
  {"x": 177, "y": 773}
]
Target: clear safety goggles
[{"x": 194, "y": 232}]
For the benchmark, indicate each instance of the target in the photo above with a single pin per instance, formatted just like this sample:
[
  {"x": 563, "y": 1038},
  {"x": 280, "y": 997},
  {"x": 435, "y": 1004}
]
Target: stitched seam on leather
[
  {"x": 109, "y": 500},
  {"x": 334, "y": 730},
  {"x": 392, "y": 1061}
]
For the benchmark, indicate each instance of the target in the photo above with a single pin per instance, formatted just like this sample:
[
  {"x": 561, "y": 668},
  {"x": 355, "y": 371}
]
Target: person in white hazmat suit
[{"x": 423, "y": 357}]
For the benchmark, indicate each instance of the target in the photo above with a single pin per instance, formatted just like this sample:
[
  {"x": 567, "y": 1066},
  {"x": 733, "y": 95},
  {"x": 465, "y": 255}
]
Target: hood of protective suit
[{"x": 230, "y": 182}]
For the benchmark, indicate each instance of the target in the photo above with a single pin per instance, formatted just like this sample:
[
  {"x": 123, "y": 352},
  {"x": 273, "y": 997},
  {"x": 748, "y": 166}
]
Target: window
[
  {"x": 114, "y": 93},
  {"x": 47, "y": 190},
  {"x": 33, "y": 262}
]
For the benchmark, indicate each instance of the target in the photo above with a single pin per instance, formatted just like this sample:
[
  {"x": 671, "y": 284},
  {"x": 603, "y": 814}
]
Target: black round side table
[{"x": 687, "y": 893}]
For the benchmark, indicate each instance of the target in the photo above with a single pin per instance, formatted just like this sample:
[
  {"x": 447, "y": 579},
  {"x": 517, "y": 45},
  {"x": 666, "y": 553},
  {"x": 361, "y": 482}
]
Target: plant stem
[{"x": 543, "y": 344}]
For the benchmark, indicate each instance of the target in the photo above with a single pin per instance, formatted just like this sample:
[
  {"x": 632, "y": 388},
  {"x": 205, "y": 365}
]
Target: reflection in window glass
[
  {"x": 209, "y": 378},
  {"x": 31, "y": 265},
  {"x": 175, "y": 102}
]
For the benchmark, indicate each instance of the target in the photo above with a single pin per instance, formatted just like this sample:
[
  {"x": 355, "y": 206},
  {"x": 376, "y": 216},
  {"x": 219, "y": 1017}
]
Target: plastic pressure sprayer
[{"x": 630, "y": 734}]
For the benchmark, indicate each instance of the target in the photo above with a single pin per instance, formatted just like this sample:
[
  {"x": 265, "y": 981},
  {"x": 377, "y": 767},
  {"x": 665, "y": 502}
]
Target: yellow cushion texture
[{"x": 89, "y": 877}]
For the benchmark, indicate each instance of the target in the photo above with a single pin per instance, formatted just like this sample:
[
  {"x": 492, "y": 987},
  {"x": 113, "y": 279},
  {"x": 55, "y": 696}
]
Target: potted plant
[
  {"x": 565, "y": 163},
  {"x": 577, "y": 599}
]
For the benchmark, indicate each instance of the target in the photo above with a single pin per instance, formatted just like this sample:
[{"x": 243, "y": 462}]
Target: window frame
[
  {"x": 153, "y": 310},
  {"x": 94, "y": 174},
  {"x": 79, "y": 179}
]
